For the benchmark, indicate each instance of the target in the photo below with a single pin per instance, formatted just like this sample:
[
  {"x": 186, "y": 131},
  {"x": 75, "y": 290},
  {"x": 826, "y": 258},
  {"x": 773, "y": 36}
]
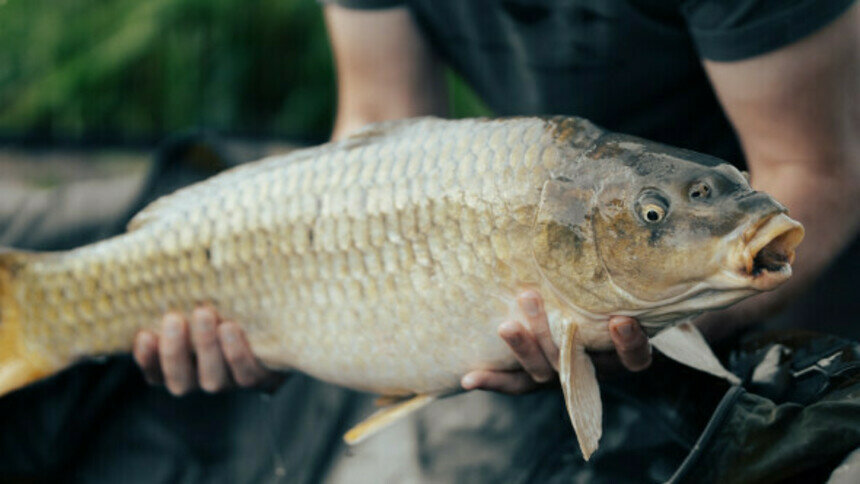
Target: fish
[{"x": 385, "y": 261}]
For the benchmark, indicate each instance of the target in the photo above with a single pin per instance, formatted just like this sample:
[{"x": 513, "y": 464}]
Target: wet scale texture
[{"x": 341, "y": 261}]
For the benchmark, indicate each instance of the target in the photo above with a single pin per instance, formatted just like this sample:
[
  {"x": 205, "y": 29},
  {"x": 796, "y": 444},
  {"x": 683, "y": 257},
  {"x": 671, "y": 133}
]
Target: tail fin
[{"x": 19, "y": 366}]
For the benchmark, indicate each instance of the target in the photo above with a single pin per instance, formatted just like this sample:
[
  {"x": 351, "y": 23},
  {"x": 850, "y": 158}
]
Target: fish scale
[{"x": 358, "y": 213}]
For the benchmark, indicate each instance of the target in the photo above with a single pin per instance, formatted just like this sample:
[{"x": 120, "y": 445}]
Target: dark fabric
[
  {"x": 729, "y": 30},
  {"x": 102, "y": 423},
  {"x": 803, "y": 420},
  {"x": 631, "y": 66},
  {"x": 365, "y": 4},
  {"x": 760, "y": 441}
]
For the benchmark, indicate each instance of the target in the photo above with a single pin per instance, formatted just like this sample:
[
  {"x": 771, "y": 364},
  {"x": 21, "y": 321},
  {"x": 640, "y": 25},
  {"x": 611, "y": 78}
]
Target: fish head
[{"x": 638, "y": 228}]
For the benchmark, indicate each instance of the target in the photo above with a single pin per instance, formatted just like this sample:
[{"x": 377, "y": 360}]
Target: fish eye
[
  {"x": 700, "y": 191},
  {"x": 652, "y": 206},
  {"x": 652, "y": 212}
]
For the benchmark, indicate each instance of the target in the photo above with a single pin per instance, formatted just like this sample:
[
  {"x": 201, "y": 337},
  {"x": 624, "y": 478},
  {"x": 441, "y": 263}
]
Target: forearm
[
  {"x": 357, "y": 108},
  {"x": 386, "y": 70},
  {"x": 355, "y": 115}
]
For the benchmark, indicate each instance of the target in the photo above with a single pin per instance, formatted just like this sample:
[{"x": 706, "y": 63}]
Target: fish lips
[{"x": 767, "y": 250}]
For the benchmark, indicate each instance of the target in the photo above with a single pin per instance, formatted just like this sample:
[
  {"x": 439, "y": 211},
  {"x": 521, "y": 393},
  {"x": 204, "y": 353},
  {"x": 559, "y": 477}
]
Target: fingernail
[
  {"x": 541, "y": 378},
  {"x": 530, "y": 306},
  {"x": 625, "y": 330},
  {"x": 469, "y": 382},
  {"x": 145, "y": 339},
  {"x": 509, "y": 330},
  {"x": 230, "y": 334},
  {"x": 172, "y": 325},
  {"x": 202, "y": 324},
  {"x": 203, "y": 313}
]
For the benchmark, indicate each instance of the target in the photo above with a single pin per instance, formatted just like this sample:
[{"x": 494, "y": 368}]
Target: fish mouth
[{"x": 768, "y": 250}]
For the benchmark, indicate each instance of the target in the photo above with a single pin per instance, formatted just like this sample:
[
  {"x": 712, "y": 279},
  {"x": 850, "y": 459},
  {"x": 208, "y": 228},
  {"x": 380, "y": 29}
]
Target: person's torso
[{"x": 628, "y": 65}]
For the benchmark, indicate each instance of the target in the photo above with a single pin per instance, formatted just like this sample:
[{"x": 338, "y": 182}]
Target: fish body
[{"x": 386, "y": 261}]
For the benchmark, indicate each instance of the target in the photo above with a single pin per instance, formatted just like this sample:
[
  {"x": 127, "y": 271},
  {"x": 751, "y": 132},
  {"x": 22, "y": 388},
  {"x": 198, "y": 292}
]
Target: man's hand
[
  {"x": 538, "y": 355},
  {"x": 208, "y": 353}
]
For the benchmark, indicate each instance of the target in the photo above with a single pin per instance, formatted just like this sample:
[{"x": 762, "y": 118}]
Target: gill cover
[{"x": 565, "y": 248}]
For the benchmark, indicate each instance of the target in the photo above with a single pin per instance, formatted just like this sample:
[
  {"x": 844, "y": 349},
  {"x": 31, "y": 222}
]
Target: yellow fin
[
  {"x": 385, "y": 401},
  {"x": 18, "y": 365},
  {"x": 581, "y": 392},
  {"x": 385, "y": 417}
]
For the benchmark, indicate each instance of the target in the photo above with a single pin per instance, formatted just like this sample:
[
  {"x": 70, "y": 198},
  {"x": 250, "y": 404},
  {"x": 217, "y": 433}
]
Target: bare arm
[
  {"x": 385, "y": 68},
  {"x": 797, "y": 112}
]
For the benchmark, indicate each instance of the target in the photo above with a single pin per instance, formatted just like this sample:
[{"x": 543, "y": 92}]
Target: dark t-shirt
[{"x": 632, "y": 66}]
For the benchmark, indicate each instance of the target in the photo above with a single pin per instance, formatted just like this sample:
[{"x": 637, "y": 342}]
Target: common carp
[{"x": 386, "y": 261}]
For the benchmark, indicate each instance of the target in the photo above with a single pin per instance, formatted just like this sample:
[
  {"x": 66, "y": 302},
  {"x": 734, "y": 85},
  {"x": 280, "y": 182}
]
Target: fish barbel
[{"x": 386, "y": 261}]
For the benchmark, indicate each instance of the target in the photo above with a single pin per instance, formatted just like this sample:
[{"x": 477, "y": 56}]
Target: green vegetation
[{"x": 143, "y": 69}]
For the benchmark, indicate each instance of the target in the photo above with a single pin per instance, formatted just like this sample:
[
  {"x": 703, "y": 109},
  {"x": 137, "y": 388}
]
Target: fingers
[
  {"x": 533, "y": 348},
  {"x": 146, "y": 355},
  {"x": 527, "y": 351},
  {"x": 176, "y": 359},
  {"x": 510, "y": 382},
  {"x": 205, "y": 353},
  {"x": 531, "y": 305},
  {"x": 244, "y": 366},
  {"x": 631, "y": 343},
  {"x": 212, "y": 372}
]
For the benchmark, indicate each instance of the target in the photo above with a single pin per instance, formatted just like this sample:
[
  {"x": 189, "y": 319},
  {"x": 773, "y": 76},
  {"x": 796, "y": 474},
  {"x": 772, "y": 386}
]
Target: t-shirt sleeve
[
  {"x": 730, "y": 30},
  {"x": 365, "y": 4}
]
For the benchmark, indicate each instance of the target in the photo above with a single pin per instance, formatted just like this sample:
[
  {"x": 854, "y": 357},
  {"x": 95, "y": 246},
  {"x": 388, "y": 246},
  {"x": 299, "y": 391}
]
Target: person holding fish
[
  {"x": 774, "y": 86},
  {"x": 792, "y": 104},
  {"x": 732, "y": 80}
]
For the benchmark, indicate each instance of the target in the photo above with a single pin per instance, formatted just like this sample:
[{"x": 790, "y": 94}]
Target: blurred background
[
  {"x": 107, "y": 104},
  {"x": 131, "y": 72}
]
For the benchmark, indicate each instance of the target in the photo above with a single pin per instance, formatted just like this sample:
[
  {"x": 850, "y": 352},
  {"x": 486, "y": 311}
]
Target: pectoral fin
[
  {"x": 581, "y": 392},
  {"x": 686, "y": 345},
  {"x": 385, "y": 417}
]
